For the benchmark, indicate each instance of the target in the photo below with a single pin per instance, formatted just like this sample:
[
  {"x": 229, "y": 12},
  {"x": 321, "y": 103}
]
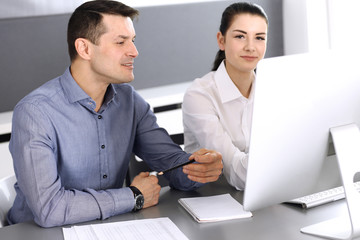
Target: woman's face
[{"x": 244, "y": 43}]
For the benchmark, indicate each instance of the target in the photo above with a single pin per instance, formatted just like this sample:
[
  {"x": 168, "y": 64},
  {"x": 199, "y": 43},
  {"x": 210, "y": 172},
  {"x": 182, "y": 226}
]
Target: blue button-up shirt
[{"x": 71, "y": 162}]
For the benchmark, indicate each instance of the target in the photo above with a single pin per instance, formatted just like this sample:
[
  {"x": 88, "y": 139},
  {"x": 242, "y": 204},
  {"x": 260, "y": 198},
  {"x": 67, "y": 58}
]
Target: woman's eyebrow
[
  {"x": 244, "y": 32},
  {"x": 239, "y": 30}
]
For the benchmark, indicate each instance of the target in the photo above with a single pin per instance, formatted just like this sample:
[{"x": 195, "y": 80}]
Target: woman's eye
[
  {"x": 240, "y": 36},
  {"x": 260, "y": 38}
]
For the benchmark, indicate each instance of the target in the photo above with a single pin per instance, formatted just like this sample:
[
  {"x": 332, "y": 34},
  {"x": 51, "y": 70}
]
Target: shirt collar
[
  {"x": 227, "y": 89},
  {"x": 109, "y": 95},
  {"x": 72, "y": 90},
  {"x": 75, "y": 93}
]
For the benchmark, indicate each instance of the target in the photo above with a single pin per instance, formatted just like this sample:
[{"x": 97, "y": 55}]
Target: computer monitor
[{"x": 298, "y": 100}]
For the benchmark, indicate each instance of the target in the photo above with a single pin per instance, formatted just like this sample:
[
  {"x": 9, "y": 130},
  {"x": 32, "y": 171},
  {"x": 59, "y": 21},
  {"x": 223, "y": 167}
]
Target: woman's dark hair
[
  {"x": 86, "y": 21},
  {"x": 227, "y": 18}
]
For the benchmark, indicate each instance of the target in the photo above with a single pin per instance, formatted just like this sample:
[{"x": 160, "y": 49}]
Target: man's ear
[
  {"x": 83, "y": 48},
  {"x": 221, "y": 41}
]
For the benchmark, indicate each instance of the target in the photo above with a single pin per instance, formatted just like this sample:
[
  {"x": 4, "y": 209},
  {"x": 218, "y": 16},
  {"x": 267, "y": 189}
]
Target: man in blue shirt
[{"x": 72, "y": 138}]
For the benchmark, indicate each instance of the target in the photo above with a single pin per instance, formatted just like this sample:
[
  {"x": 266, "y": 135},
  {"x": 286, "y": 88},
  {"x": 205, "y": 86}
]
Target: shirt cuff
[{"x": 113, "y": 201}]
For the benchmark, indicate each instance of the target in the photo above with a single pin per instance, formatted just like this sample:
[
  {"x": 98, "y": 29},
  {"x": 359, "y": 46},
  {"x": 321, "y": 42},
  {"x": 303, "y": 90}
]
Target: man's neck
[{"x": 92, "y": 87}]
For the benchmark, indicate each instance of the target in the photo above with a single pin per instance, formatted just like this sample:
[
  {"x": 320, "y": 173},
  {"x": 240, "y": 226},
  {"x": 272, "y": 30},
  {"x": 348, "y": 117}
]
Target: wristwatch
[{"x": 139, "y": 199}]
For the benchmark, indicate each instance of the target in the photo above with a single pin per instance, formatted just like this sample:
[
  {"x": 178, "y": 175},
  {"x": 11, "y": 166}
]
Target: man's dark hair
[{"x": 86, "y": 21}]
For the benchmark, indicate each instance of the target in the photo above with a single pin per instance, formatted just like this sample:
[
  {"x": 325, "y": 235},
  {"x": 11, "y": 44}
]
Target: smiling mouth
[
  {"x": 129, "y": 66},
  {"x": 249, "y": 58}
]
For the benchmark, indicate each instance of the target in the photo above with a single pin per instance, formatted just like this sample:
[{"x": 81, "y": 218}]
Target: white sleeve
[{"x": 203, "y": 129}]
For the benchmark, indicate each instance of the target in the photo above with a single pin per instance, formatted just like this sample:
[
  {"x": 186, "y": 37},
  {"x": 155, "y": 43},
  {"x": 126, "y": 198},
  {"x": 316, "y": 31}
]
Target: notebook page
[{"x": 214, "y": 208}]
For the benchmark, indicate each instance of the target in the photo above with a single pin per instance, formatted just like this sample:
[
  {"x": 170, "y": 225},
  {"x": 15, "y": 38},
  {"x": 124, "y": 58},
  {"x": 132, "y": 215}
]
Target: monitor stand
[{"x": 347, "y": 146}]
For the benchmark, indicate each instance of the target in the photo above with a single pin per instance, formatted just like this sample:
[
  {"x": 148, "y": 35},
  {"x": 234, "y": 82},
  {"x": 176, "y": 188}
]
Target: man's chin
[{"x": 123, "y": 80}]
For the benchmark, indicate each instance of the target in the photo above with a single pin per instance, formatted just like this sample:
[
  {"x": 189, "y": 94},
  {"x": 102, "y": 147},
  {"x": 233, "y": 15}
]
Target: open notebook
[{"x": 214, "y": 208}]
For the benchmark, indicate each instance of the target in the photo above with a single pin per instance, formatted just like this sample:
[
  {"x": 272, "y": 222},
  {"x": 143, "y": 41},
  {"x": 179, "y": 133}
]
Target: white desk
[
  {"x": 6, "y": 166},
  {"x": 164, "y": 95},
  {"x": 167, "y": 95},
  {"x": 5, "y": 122}
]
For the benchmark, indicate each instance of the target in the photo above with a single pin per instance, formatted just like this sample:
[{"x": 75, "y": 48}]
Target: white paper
[
  {"x": 149, "y": 229},
  {"x": 79, "y": 233},
  {"x": 214, "y": 208},
  {"x": 69, "y": 234}
]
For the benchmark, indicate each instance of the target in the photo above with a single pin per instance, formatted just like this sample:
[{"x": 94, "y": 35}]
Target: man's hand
[
  {"x": 207, "y": 168},
  {"x": 149, "y": 187}
]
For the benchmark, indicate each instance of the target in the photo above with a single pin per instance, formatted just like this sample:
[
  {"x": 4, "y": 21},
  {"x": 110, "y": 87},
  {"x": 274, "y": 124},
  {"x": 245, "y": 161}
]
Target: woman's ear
[
  {"x": 82, "y": 47},
  {"x": 221, "y": 41}
]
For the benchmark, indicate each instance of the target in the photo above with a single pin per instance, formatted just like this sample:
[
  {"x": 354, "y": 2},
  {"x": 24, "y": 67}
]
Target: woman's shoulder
[{"x": 204, "y": 82}]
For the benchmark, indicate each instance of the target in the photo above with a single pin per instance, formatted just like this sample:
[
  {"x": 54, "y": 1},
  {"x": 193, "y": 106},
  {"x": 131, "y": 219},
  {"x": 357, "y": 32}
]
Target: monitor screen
[{"x": 298, "y": 98}]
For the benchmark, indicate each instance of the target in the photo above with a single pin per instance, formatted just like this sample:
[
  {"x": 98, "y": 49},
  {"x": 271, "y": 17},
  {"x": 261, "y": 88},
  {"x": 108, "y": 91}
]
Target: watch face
[
  {"x": 139, "y": 198},
  {"x": 139, "y": 202}
]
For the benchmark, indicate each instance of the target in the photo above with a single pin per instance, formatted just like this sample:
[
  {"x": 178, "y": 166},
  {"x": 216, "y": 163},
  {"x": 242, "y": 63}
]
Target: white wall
[
  {"x": 305, "y": 26},
  {"x": 26, "y": 8},
  {"x": 344, "y": 24},
  {"x": 315, "y": 25},
  {"x": 295, "y": 27}
]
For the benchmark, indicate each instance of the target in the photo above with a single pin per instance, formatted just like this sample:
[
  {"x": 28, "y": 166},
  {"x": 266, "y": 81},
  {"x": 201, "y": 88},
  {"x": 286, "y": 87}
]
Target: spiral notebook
[{"x": 214, "y": 208}]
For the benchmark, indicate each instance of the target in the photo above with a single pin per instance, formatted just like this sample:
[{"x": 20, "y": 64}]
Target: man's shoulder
[{"x": 43, "y": 93}]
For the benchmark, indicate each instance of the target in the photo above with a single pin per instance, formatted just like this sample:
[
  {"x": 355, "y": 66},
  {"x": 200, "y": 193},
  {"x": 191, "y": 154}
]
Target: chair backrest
[{"x": 7, "y": 196}]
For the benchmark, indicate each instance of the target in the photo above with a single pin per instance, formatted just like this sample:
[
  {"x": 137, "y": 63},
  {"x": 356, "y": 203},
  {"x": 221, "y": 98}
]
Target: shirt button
[
  {"x": 102, "y": 146},
  {"x": 104, "y": 176},
  {"x": 99, "y": 117}
]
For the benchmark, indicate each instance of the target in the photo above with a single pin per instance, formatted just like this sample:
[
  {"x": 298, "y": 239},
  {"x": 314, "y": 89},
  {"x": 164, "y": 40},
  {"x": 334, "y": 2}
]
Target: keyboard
[{"x": 323, "y": 197}]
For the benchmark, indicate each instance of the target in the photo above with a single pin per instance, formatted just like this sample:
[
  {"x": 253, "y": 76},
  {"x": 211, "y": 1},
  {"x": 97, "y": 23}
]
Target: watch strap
[
  {"x": 139, "y": 198},
  {"x": 135, "y": 191}
]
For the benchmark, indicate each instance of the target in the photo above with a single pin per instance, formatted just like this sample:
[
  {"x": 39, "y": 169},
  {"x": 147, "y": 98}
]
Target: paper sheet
[
  {"x": 214, "y": 208},
  {"x": 149, "y": 229}
]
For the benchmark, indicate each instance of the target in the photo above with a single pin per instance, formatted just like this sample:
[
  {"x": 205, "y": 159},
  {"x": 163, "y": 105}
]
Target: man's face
[{"x": 112, "y": 59}]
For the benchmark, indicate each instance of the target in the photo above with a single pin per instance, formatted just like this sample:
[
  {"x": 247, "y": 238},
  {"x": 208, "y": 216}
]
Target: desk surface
[
  {"x": 5, "y": 122},
  {"x": 276, "y": 222}
]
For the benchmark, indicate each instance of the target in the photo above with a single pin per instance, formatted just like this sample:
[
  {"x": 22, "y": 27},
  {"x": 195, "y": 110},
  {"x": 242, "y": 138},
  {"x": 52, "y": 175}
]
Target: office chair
[{"x": 7, "y": 197}]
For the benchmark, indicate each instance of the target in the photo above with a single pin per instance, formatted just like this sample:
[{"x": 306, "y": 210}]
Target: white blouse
[{"x": 217, "y": 116}]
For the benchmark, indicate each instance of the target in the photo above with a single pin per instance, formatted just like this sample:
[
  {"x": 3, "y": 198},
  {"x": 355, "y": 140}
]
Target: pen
[{"x": 180, "y": 165}]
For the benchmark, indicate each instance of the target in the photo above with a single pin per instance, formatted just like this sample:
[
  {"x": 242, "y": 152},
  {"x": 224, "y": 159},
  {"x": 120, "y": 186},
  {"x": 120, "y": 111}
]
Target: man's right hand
[{"x": 149, "y": 187}]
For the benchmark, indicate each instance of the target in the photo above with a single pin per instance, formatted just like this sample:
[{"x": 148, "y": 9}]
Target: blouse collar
[{"x": 227, "y": 89}]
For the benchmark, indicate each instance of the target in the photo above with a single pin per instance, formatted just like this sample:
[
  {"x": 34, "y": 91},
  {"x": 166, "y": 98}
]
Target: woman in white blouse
[{"x": 217, "y": 108}]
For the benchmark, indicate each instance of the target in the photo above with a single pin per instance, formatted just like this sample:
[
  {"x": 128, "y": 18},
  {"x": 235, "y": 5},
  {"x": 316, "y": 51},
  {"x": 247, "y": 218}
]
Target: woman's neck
[{"x": 243, "y": 81}]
